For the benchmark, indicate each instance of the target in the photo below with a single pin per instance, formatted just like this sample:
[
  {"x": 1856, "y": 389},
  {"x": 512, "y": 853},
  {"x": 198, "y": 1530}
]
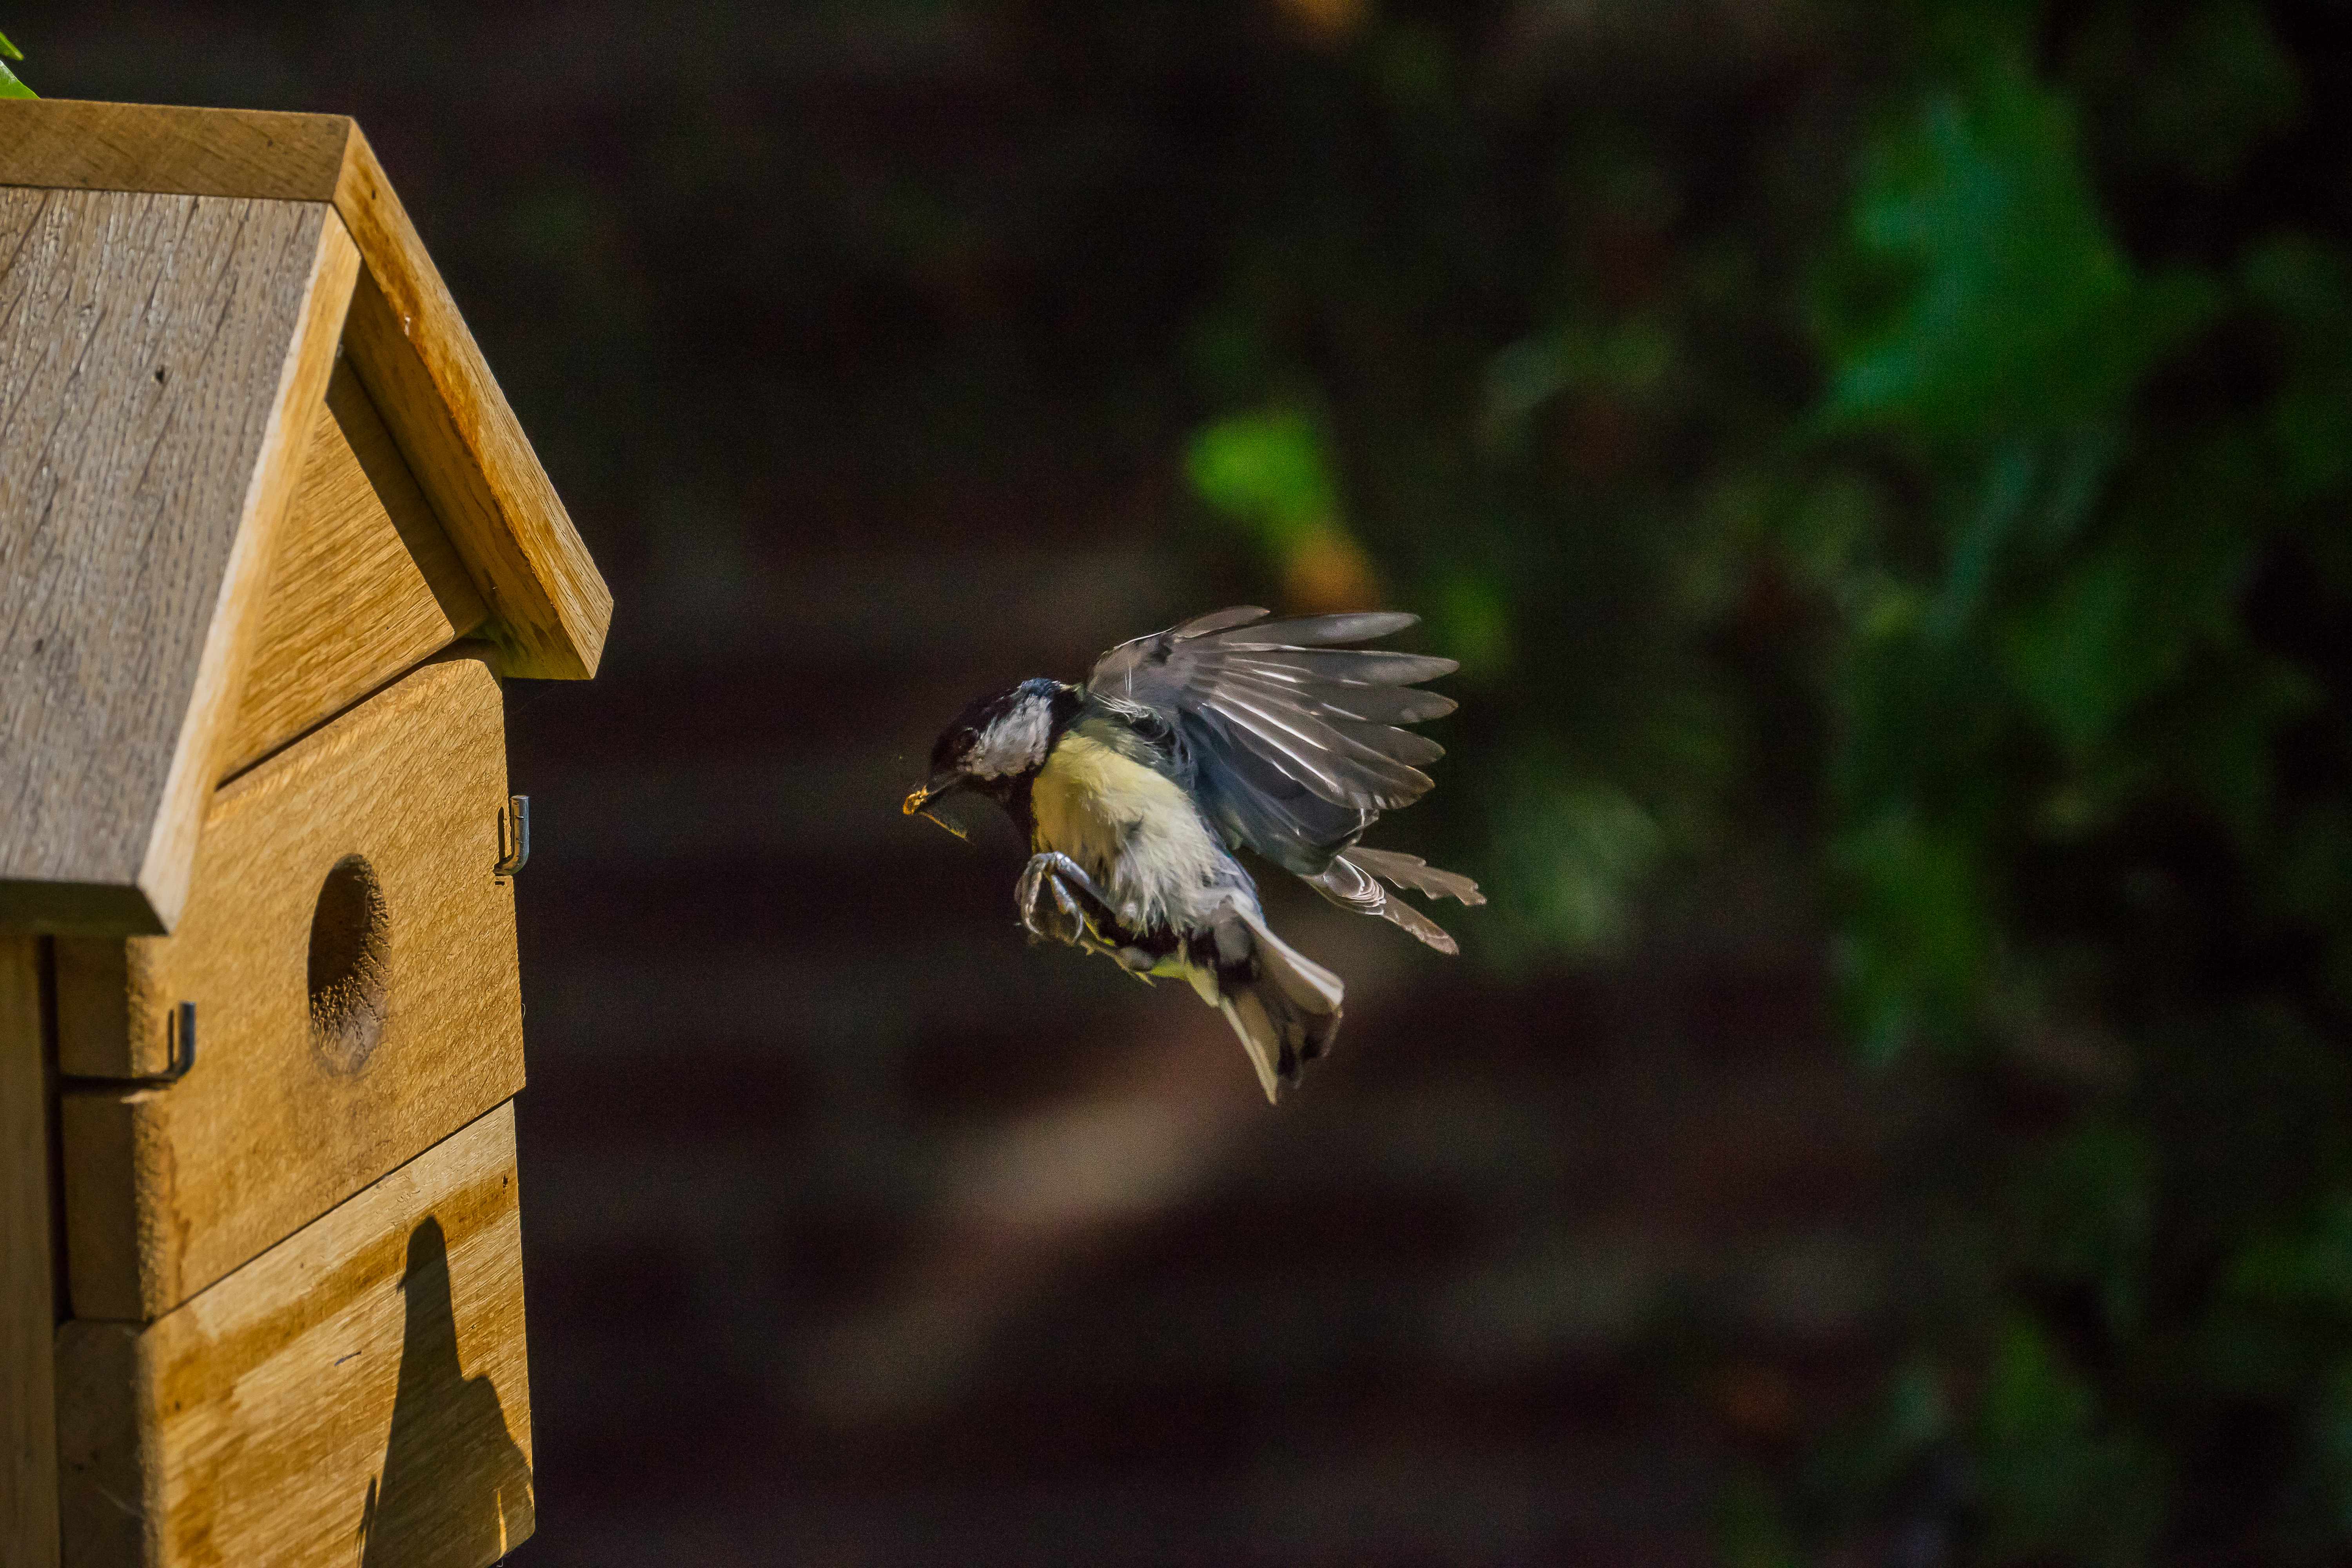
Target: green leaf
[
  {"x": 1266, "y": 471},
  {"x": 1916, "y": 949},
  {"x": 9, "y": 86},
  {"x": 2019, "y": 312},
  {"x": 2091, "y": 650},
  {"x": 1472, "y": 620},
  {"x": 2057, "y": 1482},
  {"x": 1628, "y": 362},
  {"x": 1569, "y": 854},
  {"x": 2084, "y": 1205},
  {"x": 2312, "y": 1267},
  {"x": 1922, "y": 713}
]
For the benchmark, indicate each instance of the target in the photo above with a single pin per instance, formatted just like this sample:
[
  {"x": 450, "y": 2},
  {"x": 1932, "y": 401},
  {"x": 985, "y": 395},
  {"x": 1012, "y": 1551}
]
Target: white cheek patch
[{"x": 1015, "y": 743}]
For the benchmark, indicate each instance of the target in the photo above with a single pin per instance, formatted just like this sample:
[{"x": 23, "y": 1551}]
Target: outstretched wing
[
  {"x": 1352, "y": 880},
  {"x": 1290, "y": 736}
]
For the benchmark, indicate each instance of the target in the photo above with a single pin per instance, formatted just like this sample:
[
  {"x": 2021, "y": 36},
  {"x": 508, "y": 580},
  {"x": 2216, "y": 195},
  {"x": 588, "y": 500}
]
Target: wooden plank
[
  {"x": 269, "y": 494},
  {"x": 418, "y": 358},
  {"x": 416, "y": 353},
  {"x": 28, "y": 1453},
  {"x": 93, "y": 980},
  {"x": 365, "y": 588},
  {"x": 358, "y": 1394},
  {"x": 181, "y": 151},
  {"x": 159, "y": 358},
  {"x": 342, "y": 1025}
]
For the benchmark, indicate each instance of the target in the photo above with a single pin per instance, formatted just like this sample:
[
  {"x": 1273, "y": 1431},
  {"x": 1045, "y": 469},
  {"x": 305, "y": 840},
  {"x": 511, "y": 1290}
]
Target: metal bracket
[
  {"x": 514, "y": 836},
  {"x": 180, "y": 1044}
]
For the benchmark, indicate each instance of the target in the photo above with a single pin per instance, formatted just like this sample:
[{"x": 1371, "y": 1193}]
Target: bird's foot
[{"x": 1059, "y": 902}]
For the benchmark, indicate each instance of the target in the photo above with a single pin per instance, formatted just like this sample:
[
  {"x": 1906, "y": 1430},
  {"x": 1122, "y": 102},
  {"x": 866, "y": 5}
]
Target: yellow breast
[{"x": 1135, "y": 831}]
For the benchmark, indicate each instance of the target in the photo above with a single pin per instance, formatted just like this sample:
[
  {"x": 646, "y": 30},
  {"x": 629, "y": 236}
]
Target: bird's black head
[{"x": 997, "y": 744}]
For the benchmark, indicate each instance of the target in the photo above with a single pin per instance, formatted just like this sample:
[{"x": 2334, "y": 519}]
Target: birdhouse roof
[{"x": 179, "y": 288}]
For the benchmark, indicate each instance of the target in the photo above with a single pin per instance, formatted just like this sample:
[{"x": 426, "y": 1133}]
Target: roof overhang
[{"x": 140, "y": 500}]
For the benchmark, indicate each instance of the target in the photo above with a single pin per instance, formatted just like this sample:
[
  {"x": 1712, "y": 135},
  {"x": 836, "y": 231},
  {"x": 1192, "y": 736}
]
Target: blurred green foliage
[
  {"x": 1268, "y": 471},
  {"x": 9, "y": 86},
  {"x": 1966, "y": 539}
]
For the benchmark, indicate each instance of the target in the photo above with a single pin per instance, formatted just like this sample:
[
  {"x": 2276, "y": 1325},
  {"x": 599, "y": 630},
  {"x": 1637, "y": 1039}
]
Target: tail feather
[
  {"x": 1260, "y": 1040},
  {"x": 1285, "y": 1013},
  {"x": 1348, "y": 883},
  {"x": 1300, "y": 978}
]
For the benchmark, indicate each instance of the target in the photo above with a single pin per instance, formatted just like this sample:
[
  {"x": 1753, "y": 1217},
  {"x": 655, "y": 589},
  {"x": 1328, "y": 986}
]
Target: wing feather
[
  {"x": 1342, "y": 665},
  {"x": 1218, "y": 620},
  {"x": 1350, "y": 886},
  {"x": 1292, "y": 738},
  {"x": 1343, "y": 768},
  {"x": 1398, "y": 745},
  {"x": 1413, "y": 871},
  {"x": 1375, "y": 704},
  {"x": 1315, "y": 631}
]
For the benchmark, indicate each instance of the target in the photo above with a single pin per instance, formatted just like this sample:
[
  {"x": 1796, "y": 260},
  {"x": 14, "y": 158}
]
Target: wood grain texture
[
  {"x": 366, "y": 585},
  {"x": 93, "y": 981},
  {"x": 414, "y": 352},
  {"x": 29, "y": 1459},
  {"x": 236, "y": 624},
  {"x": 314, "y": 1076},
  {"x": 181, "y": 152},
  {"x": 159, "y": 359},
  {"x": 357, "y": 1394},
  {"x": 419, "y": 360}
]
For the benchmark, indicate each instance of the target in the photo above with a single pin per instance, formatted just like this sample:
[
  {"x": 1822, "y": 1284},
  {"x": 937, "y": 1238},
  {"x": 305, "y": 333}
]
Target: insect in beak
[
  {"x": 914, "y": 806},
  {"x": 950, "y": 826}
]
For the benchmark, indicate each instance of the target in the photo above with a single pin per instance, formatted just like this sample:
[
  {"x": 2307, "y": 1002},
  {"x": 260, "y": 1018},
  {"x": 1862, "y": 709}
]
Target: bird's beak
[{"x": 920, "y": 798}]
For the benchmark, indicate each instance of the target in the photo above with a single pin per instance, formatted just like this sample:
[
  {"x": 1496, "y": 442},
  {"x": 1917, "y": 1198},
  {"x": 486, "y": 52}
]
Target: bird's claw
[
  {"x": 1058, "y": 901},
  {"x": 1052, "y": 914}
]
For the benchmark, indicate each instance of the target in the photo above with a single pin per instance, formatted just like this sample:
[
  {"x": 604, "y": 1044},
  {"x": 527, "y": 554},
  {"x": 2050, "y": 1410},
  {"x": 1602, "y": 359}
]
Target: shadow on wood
[{"x": 455, "y": 1488}]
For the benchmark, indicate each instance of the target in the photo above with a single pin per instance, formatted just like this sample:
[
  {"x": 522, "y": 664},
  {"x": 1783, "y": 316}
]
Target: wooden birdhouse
[{"x": 270, "y": 539}]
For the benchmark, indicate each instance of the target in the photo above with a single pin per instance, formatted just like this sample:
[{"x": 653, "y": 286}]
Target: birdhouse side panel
[
  {"x": 96, "y": 1035},
  {"x": 366, "y": 585},
  {"x": 348, "y": 954},
  {"x": 358, "y": 1394},
  {"x": 29, "y": 1474},
  {"x": 159, "y": 357}
]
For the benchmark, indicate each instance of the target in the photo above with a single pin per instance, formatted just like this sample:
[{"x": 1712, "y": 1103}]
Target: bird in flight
[{"x": 1230, "y": 732}]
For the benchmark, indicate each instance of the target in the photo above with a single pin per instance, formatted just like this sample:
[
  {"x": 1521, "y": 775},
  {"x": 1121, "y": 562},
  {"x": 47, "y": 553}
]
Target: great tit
[{"x": 1135, "y": 790}]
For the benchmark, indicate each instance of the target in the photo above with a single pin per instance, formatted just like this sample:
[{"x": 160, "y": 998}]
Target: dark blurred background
[{"x": 1884, "y": 470}]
